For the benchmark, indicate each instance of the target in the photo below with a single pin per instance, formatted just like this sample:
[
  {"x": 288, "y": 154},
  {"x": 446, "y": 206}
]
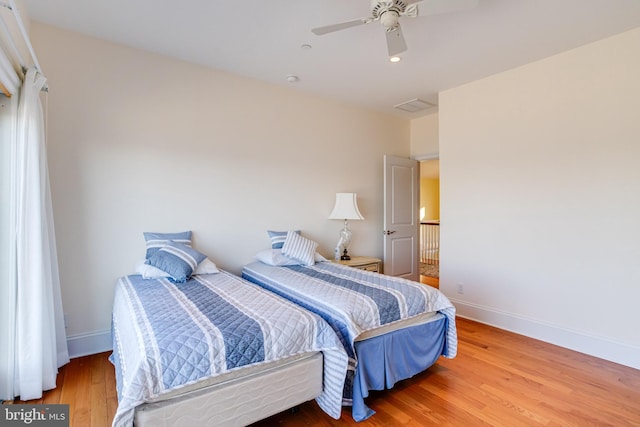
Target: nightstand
[{"x": 364, "y": 263}]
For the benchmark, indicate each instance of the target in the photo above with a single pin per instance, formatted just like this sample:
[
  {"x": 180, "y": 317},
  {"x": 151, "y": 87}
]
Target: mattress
[
  {"x": 229, "y": 377},
  {"x": 241, "y": 399},
  {"x": 400, "y": 324}
]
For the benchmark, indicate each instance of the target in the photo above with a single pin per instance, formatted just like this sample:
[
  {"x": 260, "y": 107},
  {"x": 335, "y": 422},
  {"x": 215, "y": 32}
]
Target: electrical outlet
[{"x": 460, "y": 288}]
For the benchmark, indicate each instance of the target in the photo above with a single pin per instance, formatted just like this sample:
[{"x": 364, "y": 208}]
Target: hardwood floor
[
  {"x": 498, "y": 379},
  {"x": 88, "y": 384},
  {"x": 431, "y": 281}
]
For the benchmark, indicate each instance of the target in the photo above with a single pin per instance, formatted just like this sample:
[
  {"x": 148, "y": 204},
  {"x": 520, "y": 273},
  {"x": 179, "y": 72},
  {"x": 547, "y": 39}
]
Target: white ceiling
[{"x": 262, "y": 40}]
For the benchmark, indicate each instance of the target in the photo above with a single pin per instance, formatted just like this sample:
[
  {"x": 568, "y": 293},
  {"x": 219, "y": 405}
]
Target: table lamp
[{"x": 346, "y": 208}]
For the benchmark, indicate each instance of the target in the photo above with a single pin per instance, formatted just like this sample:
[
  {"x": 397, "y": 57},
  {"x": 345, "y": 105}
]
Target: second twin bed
[{"x": 391, "y": 328}]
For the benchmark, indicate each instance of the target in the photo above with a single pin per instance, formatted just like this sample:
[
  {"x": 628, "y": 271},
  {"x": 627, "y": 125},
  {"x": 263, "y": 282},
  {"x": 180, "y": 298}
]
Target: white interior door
[{"x": 401, "y": 217}]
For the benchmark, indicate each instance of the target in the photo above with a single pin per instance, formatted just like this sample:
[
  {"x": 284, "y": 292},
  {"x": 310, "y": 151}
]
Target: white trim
[
  {"x": 603, "y": 348},
  {"x": 25, "y": 37},
  {"x": 425, "y": 157},
  {"x": 86, "y": 344}
]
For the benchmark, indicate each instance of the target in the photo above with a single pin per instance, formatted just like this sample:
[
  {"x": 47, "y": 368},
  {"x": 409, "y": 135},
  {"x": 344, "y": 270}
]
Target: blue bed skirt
[{"x": 395, "y": 356}]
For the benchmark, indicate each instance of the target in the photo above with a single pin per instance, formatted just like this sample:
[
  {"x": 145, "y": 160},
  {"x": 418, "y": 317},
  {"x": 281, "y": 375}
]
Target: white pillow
[
  {"x": 319, "y": 258},
  {"x": 206, "y": 267},
  {"x": 275, "y": 257},
  {"x": 150, "y": 272},
  {"x": 299, "y": 248}
]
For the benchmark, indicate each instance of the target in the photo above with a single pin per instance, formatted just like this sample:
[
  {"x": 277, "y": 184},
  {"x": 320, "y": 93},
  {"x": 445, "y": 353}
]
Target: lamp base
[{"x": 345, "y": 256}]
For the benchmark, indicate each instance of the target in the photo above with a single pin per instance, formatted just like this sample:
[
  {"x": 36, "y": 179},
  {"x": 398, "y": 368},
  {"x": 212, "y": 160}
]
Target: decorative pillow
[
  {"x": 278, "y": 238},
  {"x": 176, "y": 259},
  {"x": 299, "y": 248},
  {"x": 155, "y": 241},
  {"x": 150, "y": 272}
]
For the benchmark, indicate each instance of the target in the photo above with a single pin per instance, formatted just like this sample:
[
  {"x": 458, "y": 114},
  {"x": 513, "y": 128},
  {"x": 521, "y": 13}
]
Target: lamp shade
[{"x": 346, "y": 207}]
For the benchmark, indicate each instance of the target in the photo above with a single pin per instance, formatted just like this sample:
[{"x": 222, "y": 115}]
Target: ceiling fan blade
[
  {"x": 435, "y": 7},
  {"x": 336, "y": 27},
  {"x": 395, "y": 41}
]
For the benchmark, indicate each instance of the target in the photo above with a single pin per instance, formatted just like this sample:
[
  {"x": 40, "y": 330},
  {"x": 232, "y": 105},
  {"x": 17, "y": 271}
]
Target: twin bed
[
  {"x": 223, "y": 350},
  {"x": 391, "y": 328},
  {"x": 218, "y": 350}
]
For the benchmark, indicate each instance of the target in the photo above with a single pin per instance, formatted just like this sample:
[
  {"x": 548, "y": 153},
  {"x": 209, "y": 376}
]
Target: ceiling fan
[{"x": 389, "y": 12}]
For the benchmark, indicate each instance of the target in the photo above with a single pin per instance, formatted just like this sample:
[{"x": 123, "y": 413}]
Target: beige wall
[
  {"x": 425, "y": 145},
  {"x": 139, "y": 142},
  {"x": 540, "y": 198},
  {"x": 424, "y": 136}
]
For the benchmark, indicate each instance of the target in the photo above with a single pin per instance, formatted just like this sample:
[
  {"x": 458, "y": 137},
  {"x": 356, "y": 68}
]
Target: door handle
[{"x": 387, "y": 232}]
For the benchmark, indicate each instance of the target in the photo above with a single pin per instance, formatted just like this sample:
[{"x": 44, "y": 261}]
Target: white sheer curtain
[
  {"x": 36, "y": 338},
  {"x": 8, "y": 115}
]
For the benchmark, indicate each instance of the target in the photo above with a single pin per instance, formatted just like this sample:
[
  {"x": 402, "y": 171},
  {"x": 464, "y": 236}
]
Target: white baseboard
[
  {"x": 600, "y": 347},
  {"x": 86, "y": 344}
]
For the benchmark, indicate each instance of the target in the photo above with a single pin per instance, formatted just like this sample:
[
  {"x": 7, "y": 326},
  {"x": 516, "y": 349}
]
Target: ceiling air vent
[{"x": 414, "y": 105}]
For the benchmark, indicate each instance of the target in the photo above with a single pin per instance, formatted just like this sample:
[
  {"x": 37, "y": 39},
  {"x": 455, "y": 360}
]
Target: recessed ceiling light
[
  {"x": 292, "y": 79},
  {"x": 305, "y": 46},
  {"x": 395, "y": 59}
]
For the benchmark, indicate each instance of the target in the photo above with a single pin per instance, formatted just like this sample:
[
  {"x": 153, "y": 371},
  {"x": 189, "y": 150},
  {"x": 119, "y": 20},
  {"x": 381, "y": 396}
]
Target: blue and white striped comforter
[
  {"x": 167, "y": 336},
  {"x": 354, "y": 301}
]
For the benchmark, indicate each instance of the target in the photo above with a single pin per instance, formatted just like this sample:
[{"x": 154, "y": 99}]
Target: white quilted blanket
[{"x": 167, "y": 336}]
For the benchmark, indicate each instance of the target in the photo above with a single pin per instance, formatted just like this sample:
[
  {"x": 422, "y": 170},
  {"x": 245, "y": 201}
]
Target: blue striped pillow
[
  {"x": 278, "y": 238},
  {"x": 299, "y": 248},
  {"x": 155, "y": 241},
  {"x": 177, "y": 260}
]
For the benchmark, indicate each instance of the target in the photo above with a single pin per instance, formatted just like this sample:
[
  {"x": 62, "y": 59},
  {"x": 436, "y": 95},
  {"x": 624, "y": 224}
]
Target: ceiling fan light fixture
[
  {"x": 390, "y": 19},
  {"x": 390, "y": 12},
  {"x": 414, "y": 105}
]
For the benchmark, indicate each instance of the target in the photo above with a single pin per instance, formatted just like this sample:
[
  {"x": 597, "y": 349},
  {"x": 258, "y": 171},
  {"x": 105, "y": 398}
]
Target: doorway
[{"x": 429, "y": 252}]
